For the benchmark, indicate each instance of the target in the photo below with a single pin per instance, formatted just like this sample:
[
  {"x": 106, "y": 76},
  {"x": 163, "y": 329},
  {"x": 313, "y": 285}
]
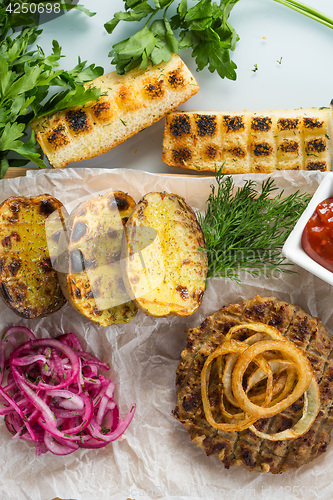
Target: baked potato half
[
  {"x": 90, "y": 274},
  {"x": 28, "y": 282},
  {"x": 164, "y": 260}
]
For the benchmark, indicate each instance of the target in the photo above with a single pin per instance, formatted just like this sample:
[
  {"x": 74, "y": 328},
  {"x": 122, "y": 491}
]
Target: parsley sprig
[
  {"x": 28, "y": 81},
  {"x": 204, "y": 28},
  {"x": 245, "y": 228}
]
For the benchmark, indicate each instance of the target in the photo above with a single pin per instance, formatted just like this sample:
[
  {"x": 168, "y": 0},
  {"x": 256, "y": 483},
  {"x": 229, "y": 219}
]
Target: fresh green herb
[
  {"x": 23, "y": 430},
  {"x": 308, "y": 11},
  {"x": 97, "y": 401},
  {"x": 246, "y": 229},
  {"x": 13, "y": 15},
  {"x": 28, "y": 78},
  {"x": 204, "y": 28}
]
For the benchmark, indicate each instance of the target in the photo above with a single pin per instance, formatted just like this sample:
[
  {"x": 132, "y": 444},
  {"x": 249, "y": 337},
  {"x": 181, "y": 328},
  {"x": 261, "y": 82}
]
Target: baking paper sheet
[{"x": 155, "y": 459}]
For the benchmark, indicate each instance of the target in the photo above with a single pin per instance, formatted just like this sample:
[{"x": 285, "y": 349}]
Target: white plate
[
  {"x": 291, "y": 52},
  {"x": 292, "y": 248}
]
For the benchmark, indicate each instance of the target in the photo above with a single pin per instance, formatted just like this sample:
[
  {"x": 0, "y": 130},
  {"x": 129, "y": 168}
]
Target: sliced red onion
[
  {"x": 53, "y": 394},
  {"x": 67, "y": 399},
  {"x": 50, "y": 344},
  {"x": 59, "y": 447}
]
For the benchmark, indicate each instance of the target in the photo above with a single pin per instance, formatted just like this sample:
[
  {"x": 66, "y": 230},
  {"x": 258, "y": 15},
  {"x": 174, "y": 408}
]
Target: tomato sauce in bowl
[{"x": 317, "y": 236}]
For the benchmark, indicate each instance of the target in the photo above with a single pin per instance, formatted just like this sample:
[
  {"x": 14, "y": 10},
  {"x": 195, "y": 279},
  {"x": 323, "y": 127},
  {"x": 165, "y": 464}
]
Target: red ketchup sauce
[{"x": 317, "y": 237}]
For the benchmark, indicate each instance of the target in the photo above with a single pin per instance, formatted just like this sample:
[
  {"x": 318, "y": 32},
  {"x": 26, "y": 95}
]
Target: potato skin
[
  {"x": 93, "y": 282},
  {"x": 28, "y": 283},
  {"x": 165, "y": 263}
]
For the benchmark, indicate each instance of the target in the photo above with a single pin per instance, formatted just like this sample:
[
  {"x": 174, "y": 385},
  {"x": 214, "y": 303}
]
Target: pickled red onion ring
[{"x": 53, "y": 394}]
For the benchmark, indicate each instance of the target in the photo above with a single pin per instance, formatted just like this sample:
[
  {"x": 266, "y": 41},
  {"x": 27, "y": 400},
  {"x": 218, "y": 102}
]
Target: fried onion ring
[
  {"x": 310, "y": 411},
  {"x": 262, "y": 376},
  {"x": 229, "y": 347},
  {"x": 293, "y": 352}
]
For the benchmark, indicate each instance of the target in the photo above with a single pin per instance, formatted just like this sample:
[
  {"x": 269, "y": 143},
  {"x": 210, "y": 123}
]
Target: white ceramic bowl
[{"x": 292, "y": 248}]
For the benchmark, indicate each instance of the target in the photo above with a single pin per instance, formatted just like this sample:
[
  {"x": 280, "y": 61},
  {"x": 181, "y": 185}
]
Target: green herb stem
[
  {"x": 245, "y": 229},
  {"x": 203, "y": 28},
  {"x": 308, "y": 11},
  {"x": 28, "y": 79}
]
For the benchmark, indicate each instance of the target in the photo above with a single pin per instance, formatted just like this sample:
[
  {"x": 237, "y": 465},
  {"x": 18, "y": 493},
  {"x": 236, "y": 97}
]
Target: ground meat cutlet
[{"x": 244, "y": 448}]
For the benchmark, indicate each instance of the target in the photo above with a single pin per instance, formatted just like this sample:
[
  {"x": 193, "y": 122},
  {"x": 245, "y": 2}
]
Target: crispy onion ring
[
  {"x": 230, "y": 347},
  {"x": 259, "y": 377},
  {"x": 302, "y": 365},
  {"x": 310, "y": 411}
]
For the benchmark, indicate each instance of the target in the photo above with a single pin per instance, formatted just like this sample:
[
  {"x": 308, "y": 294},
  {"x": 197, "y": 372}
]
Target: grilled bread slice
[
  {"x": 28, "y": 282},
  {"x": 164, "y": 264},
  {"x": 249, "y": 142},
  {"x": 128, "y": 104},
  {"x": 93, "y": 282}
]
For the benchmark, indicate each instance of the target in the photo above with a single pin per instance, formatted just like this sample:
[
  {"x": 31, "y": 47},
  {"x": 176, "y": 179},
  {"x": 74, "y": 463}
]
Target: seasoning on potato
[
  {"x": 164, "y": 258},
  {"x": 28, "y": 282},
  {"x": 89, "y": 269}
]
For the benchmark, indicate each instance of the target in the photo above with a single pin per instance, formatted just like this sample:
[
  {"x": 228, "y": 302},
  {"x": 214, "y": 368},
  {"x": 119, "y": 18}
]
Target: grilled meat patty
[{"x": 244, "y": 448}]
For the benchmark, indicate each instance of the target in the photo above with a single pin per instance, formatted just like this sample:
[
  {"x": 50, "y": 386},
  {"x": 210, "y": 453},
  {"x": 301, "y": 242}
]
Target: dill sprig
[{"x": 245, "y": 228}]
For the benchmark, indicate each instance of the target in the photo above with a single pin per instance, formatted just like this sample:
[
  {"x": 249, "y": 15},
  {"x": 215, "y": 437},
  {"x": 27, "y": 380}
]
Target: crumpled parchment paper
[{"x": 155, "y": 459}]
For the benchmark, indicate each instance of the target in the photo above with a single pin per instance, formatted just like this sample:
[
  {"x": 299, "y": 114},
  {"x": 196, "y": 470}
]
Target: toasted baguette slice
[
  {"x": 246, "y": 142},
  {"x": 128, "y": 104},
  {"x": 165, "y": 264},
  {"x": 93, "y": 282},
  {"x": 28, "y": 282}
]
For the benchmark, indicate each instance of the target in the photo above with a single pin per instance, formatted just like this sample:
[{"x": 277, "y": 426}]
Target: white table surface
[{"x": 292, "y": 54}]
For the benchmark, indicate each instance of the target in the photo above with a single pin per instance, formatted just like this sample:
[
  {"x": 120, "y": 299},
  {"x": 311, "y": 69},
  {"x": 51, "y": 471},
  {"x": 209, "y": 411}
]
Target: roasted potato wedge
[
  {"x": 28, "y": 282},
  {"x": 164, "y": 261},
  {"x": 91, "y": 277}
]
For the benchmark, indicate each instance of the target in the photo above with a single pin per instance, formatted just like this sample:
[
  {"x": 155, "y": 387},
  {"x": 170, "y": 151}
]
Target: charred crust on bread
[
  {"x": 262, "y": 124},
  {"x": 206, "y": 124},
  {"x": 78, "y": 120},
  {"x": 57, "y": 137},
  {"x": 180, "y": 125},
  {"x": 233, "y": 123}
]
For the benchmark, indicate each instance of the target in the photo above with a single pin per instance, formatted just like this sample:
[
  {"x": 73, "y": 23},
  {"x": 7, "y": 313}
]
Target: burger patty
[{"x": 245, "y": 448}]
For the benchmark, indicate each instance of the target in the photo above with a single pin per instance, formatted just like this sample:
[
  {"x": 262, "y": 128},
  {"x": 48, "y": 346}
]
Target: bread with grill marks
[
  {"x": 128, "y": 104},
  {"x": 249, "y": 142},
  {"x": 245, "y": 448}
]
